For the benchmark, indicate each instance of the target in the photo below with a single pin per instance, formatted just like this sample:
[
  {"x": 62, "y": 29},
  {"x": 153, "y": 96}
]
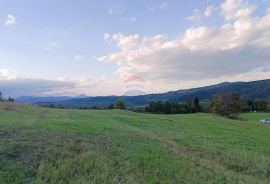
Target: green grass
[{"x": 39, "y": 145}]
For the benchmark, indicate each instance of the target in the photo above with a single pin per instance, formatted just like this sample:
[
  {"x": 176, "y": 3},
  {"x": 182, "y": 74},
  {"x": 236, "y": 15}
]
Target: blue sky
[{"x": 92, "y": 47}]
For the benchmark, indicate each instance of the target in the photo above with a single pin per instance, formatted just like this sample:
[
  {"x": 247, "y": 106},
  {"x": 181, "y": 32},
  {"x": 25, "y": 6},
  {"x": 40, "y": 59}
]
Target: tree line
[
  {"x": 160, "y": 107},
  {"x": 120, "y": 104},
  {"x": 229, "y": 105},
  {"x": 9, "y": 99}
]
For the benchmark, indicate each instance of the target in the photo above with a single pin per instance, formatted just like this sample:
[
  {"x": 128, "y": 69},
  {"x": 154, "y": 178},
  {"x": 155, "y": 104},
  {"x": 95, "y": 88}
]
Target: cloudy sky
[{"x": 62, "y": 47}]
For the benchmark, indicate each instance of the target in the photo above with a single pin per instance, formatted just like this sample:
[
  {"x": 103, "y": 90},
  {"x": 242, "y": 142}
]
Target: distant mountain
[
  {"x": 82, "y": 96},
  {"x": 252, "y": 90},
  {"x": 33, "y": 100}
]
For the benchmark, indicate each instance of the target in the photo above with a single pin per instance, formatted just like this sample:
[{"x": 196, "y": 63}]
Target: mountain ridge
[{"x": 253, "y": 90}]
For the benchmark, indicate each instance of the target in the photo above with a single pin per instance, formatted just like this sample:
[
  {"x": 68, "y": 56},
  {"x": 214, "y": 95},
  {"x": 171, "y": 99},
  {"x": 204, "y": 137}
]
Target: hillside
[
  {"x": 41, "y": 145},
  {"x": 252, "y": 90}
]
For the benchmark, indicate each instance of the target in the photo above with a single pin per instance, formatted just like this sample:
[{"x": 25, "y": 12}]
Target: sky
[{"x": 60, "y": 47}]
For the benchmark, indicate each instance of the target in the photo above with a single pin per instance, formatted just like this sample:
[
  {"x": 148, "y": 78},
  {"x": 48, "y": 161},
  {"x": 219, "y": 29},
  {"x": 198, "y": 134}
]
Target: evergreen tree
[
  {"x": 250, "y": 105},
  {"x": 196, "y": 103},
  {"x": 189, "y": 103}
]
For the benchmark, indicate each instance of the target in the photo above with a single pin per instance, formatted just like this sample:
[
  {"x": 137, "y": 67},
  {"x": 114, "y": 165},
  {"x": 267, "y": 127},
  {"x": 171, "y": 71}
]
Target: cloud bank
[
  {"x": 234, "y": 50},
  {"x": 11, "y": 85}
]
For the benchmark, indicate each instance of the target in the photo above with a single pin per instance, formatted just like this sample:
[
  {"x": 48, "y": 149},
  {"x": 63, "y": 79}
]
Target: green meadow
[{"x": 39, "y": 145}]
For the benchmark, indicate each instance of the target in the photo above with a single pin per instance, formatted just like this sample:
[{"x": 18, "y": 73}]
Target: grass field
[{"x": 39, "y": 145}]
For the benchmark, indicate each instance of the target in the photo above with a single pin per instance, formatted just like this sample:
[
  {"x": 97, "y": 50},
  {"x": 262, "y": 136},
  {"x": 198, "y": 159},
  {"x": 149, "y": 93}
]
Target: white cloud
[
  {"x": 236, "y": 9},
  {"x": 209, "y": 11},
  {"x": 78, "y": 57},
  {"x": 195, "y": 16},
  {"x": 163, "y": 5},
  {"x": 49, "y": 46},
  {"x": 7, "y": 74},
  {"x": 10, "y": 20},
  {"x": 106, "y": 37},
  {"x": 235, "y": 50}
]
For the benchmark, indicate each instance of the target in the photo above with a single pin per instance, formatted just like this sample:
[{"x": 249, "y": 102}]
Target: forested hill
[{"x": 252, "y": 90}]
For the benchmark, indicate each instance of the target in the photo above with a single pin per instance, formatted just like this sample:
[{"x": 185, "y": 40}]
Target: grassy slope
[{"x": 69, "y": 146}]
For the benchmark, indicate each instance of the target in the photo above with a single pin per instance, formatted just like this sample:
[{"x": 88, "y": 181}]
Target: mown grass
[{"x": 41, "y": 145}]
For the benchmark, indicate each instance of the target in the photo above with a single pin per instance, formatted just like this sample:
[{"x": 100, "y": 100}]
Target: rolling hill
[{"x": 253, "y": 90}]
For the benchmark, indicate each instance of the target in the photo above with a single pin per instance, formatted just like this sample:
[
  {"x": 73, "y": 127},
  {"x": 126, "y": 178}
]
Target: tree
[
  {"x": 250, "y": 105},
  {"x": 95, "y": 107},
  {"x": 268, "y": 107},
  {"x": 1, "y": 96},
  {"x": 51, "y": 106},
  {"x": 234, "y": 105},
  {"x": 167, "y": 108},
  {"x": 120, "y": 104},
  {"x": 111, "y": 106},
  {"x": 10, "y": 99},
  {"x": 218, "y": 105},
  {"x": 189, "y": 103},
  {"x": 83, "y": 107},
  {"x": 226, "y": 105},
  {"x": 260, "y": 105},
  {"x": 60, "y": 106},
  {"x": 196, "y": 104}
]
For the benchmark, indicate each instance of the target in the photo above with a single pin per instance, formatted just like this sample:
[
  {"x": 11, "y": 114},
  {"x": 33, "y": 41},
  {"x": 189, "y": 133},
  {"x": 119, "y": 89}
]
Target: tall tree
[
  {"x": 250, "y": 105},
  {"x": 234, "y": 105}
]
